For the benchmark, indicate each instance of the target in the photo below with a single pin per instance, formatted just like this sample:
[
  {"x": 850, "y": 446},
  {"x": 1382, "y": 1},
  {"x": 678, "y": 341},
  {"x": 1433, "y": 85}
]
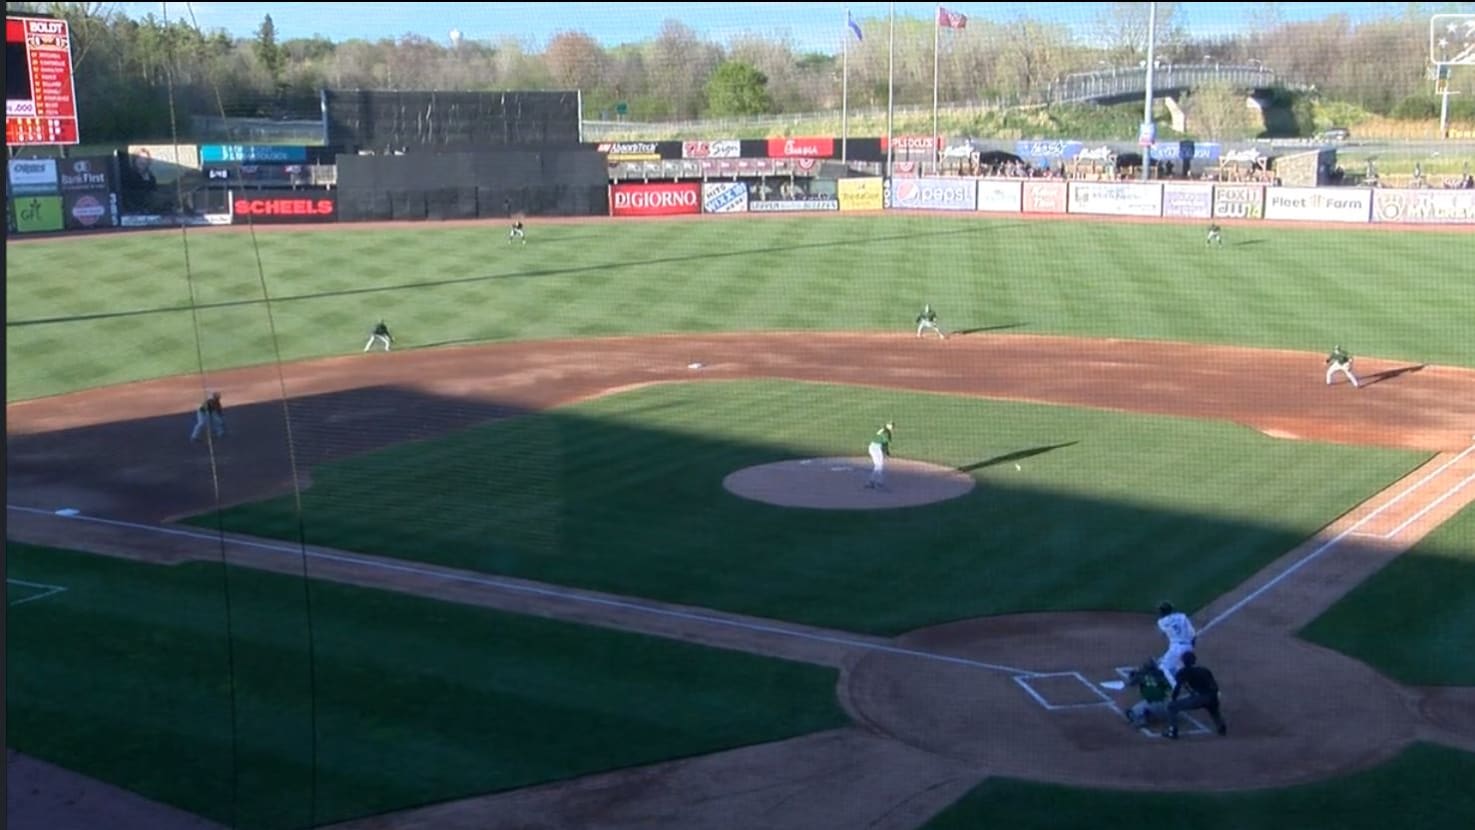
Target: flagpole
[
  {"x": 890, "y": 87},
  {"x": 936, "y": 36},
  {"x": 845, "y": 89}
]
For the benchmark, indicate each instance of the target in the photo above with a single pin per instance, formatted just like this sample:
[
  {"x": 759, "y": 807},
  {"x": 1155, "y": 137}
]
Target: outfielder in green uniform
[{"x": 880, "y": 450}]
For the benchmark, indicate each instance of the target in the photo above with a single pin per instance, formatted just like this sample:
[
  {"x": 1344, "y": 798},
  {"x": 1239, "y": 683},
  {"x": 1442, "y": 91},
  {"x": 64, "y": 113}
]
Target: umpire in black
[{"x": 1203, "y": 693}]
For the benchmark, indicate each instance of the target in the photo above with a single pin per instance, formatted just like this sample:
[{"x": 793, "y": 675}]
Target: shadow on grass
[
  {"x": 1245, "y": 242},
  {"x": 1017, "y": 455}
]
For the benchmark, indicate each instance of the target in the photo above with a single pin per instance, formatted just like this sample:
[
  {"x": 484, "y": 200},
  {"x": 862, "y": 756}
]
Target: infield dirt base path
[{"x": 936, "y": 711}]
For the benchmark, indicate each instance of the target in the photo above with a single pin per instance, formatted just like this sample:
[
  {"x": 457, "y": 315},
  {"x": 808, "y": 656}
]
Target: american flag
[
  {"x": 1454, "y": 38},
  {"x": 951, "y": 20}
]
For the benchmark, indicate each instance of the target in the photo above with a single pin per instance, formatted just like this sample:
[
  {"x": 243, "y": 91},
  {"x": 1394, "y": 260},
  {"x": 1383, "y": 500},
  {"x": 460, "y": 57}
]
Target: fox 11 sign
[{"x": 40, "y": 101}]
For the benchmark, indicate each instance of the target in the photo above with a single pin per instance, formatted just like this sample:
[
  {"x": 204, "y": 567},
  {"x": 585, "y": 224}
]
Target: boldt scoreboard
[{"x": 40, "y": 100}]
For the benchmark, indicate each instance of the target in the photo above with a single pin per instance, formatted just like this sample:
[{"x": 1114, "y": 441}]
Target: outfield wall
[{"x": 1159, "y": 199}]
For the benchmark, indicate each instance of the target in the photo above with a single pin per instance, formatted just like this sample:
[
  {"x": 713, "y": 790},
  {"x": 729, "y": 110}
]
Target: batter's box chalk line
[
  {"x": 44, "y": 589},
  {"x": 1024, "y": 681}
]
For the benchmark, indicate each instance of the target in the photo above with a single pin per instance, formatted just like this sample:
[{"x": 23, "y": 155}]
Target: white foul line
[
  {"x": 1431, "y": 505},
  {"x": 1331, "y": 543},
  {"x": 554, "y": 593},
  {"x": 51, "y": 590}
]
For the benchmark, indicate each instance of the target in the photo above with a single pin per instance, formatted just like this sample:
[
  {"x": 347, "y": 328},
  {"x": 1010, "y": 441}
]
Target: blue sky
[{"x": 812, "y": 26}]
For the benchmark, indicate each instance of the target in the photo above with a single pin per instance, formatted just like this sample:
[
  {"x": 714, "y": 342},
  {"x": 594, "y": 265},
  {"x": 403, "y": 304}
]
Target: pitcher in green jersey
[{"x": 880, "y": 450}]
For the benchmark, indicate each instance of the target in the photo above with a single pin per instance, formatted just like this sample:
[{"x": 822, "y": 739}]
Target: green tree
[
  {"x": 267, "y": 50},
  {"x": 738, "y": 89}
]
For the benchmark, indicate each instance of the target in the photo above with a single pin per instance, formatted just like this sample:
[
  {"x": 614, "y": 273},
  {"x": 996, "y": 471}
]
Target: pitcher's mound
[{"x": 840, "y": 484}]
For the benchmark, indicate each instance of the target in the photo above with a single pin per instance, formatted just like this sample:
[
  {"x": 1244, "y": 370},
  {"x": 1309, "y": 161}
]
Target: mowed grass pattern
[
  {"x": 108, "y": 309},
  {"x": 624, "y": 494},
  {"x": 221, "y": 695},
  {"x": 1424, "y": 604}
]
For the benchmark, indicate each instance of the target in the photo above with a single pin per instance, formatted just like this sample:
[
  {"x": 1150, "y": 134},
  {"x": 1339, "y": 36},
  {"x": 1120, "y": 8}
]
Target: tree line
[{"x": 128, "y": 71}]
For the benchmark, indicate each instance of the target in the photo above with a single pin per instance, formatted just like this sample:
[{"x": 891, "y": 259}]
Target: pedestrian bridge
[{"x": 1116, "y": 86}]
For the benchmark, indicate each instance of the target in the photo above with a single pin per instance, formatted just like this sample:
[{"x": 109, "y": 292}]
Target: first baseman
[
  {"x": 1340, "y": 361},
  {"x": 210, "y": 412},
  {"x": 880, "y": 450},
  {"x": 1182, "y": 638}
]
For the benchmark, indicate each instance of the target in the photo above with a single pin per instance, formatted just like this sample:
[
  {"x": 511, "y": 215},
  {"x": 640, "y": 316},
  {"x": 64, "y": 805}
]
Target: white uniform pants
[
  {"x": 216, "y": 422},
  {"x": 379, "y": 337},
  {"x": 878, "y": 465},
  {"x": 1172, "y": 661},
  {"x": 928, "y": 324},
  {"x": 1344, "y": 368}
]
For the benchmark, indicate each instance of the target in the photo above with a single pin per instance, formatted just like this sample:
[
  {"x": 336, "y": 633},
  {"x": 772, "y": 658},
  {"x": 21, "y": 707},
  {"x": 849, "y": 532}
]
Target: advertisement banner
[
  {"x": 724, "y": 197},
  {"x": 88, "y": 211},
  {"x": 32, "y": 177},
  {"x": 1185, "y": 151},
  {"x": 904, "y": 144},
  {"x": 251, "y": 154},
  {"x": 794, "y": 205},
  {"x": 861, "y": 194},
  {"x": 728, "y": 149},
  {"x": 34, "y": 214},
  {"x": 806, "y": 147},
  {"x": 284, "y": 207},
  {"x": 1051, "y": 149},
  {"x": 932, "y": 194},
  {"x": 1319, "y": 204},
  {"x": 1116, "y": 198},
  {"x": 668, "y": 199},
  {"x": 86, "y": 175},
  {"x": 996, "y": 196},
  {"x": 1239, "y": 201},
  {"x": 1044, "y": 197},
  {"x": 630, "y": 150},
  {"x": 1193, "y": 201},
  {"x": 1456, "y": 207}
]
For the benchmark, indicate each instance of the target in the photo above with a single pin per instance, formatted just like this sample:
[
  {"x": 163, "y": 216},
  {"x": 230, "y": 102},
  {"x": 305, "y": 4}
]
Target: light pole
[{"x": 1148, "y": 134}]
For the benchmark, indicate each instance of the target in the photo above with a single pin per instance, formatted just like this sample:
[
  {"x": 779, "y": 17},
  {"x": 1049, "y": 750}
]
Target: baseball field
[{"x": 590, "y": 545}]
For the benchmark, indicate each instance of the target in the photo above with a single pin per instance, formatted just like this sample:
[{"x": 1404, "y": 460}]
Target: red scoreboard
[{"x": 40, "y": 100}]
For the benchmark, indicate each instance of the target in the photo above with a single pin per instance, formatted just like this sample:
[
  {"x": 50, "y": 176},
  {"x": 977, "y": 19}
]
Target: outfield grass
[
  {"x": 132, "y": 676},
  {"x": 98, "y": 310},
  {"x": 1424, "y": 604},
  {"x": 1425, "y": 787},
  {"x": 624, "y": 494}
]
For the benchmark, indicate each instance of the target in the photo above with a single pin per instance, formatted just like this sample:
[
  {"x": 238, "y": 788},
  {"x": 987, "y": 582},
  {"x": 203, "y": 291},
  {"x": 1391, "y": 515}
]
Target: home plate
[{"x": 68, "y": 511}]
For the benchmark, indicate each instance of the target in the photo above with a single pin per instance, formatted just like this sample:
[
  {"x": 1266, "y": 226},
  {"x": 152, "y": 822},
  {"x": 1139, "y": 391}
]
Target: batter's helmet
[{"x": 1165, "y": 608}]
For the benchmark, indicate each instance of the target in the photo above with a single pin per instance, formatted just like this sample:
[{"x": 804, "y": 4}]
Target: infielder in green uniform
[
  {"x": 928, "y": 320},
  {"x": 880, "y": 450},
  {"x": 1340, "y": 361}
]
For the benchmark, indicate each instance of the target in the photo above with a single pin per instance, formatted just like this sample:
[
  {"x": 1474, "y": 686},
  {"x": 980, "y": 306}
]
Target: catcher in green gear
[{"x": 1152, "y": 684}]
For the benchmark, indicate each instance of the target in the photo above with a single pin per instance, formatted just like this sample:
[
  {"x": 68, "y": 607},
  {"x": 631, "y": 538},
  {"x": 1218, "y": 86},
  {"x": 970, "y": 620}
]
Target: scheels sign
[
  {"x": 665, "y": 199},
  {"x": 284, "y": 207}
]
